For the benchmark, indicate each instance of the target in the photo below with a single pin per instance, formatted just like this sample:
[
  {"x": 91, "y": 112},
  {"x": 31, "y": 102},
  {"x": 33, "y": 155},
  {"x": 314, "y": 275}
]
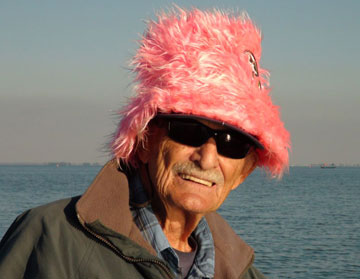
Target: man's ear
[
  {"x": 151, "y": 138},
  {"x": 143, "y": 152},
  {"x": 250, "y": 164}
]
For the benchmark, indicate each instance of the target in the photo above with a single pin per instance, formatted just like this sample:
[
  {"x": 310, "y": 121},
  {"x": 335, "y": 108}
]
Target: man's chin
[{"x": 193, "y": 204}]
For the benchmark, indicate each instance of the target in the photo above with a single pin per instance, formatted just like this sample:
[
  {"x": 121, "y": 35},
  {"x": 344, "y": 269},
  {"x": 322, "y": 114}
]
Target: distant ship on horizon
[{"x": 327, "y": 166}]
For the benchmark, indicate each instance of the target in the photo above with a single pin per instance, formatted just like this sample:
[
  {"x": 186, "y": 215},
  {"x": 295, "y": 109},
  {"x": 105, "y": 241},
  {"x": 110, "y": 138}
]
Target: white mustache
[{"x": 190, "y": 168}]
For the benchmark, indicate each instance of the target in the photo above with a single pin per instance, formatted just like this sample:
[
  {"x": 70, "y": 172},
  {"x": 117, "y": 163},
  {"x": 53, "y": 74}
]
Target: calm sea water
[{"x": 305, "y": 226}]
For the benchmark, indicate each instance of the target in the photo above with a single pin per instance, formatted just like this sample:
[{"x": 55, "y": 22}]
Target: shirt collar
[{"x": 138, "y": 196}]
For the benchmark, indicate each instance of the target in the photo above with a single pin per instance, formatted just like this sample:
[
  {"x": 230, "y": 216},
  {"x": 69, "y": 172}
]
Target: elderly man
[{"x": 200, "y": 122}]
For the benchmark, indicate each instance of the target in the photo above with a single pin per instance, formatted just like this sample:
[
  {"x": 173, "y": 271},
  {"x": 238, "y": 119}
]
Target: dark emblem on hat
[{"x": 254, "y": 66}]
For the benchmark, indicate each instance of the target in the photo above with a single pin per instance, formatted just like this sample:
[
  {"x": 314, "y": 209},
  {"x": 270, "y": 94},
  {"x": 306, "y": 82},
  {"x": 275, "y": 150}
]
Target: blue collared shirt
[{"x": 146, "y": 221}]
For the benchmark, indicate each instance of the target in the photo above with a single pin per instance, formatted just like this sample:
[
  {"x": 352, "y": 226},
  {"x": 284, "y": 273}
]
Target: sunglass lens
[
  {"x": 188, "y": 133},
  {"x": 233, "y": 146}
]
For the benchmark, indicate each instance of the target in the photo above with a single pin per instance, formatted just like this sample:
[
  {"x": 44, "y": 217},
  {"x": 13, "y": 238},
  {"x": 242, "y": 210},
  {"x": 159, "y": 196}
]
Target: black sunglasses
[{"x": 229, "y": 143}]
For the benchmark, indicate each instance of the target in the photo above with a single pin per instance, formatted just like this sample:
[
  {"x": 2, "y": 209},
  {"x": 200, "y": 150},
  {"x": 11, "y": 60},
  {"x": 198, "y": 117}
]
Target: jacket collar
[{"x": 107, "y": 201}]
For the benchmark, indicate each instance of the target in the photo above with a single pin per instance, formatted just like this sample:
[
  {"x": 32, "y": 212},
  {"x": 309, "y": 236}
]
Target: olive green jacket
[{"x": 93, "y": 236}]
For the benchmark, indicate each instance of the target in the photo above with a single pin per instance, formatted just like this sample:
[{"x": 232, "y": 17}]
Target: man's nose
[{"x": 206, "y": 155}]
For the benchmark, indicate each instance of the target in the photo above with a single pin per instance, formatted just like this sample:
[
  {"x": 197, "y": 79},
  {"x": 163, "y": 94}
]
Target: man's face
[{"x": 192, "y": 179}]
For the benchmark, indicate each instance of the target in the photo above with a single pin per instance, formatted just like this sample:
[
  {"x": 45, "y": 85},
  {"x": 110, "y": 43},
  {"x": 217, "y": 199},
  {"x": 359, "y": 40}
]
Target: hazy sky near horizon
[{"x": 64, "y": 74}]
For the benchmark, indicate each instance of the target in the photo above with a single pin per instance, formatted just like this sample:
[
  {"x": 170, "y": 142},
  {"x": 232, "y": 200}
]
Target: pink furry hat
[{"x": 205, "y": 64}]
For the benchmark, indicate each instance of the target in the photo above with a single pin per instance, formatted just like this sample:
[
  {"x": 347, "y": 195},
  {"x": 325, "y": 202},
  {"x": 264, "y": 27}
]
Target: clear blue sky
[{"x": 63, "y": 74}]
